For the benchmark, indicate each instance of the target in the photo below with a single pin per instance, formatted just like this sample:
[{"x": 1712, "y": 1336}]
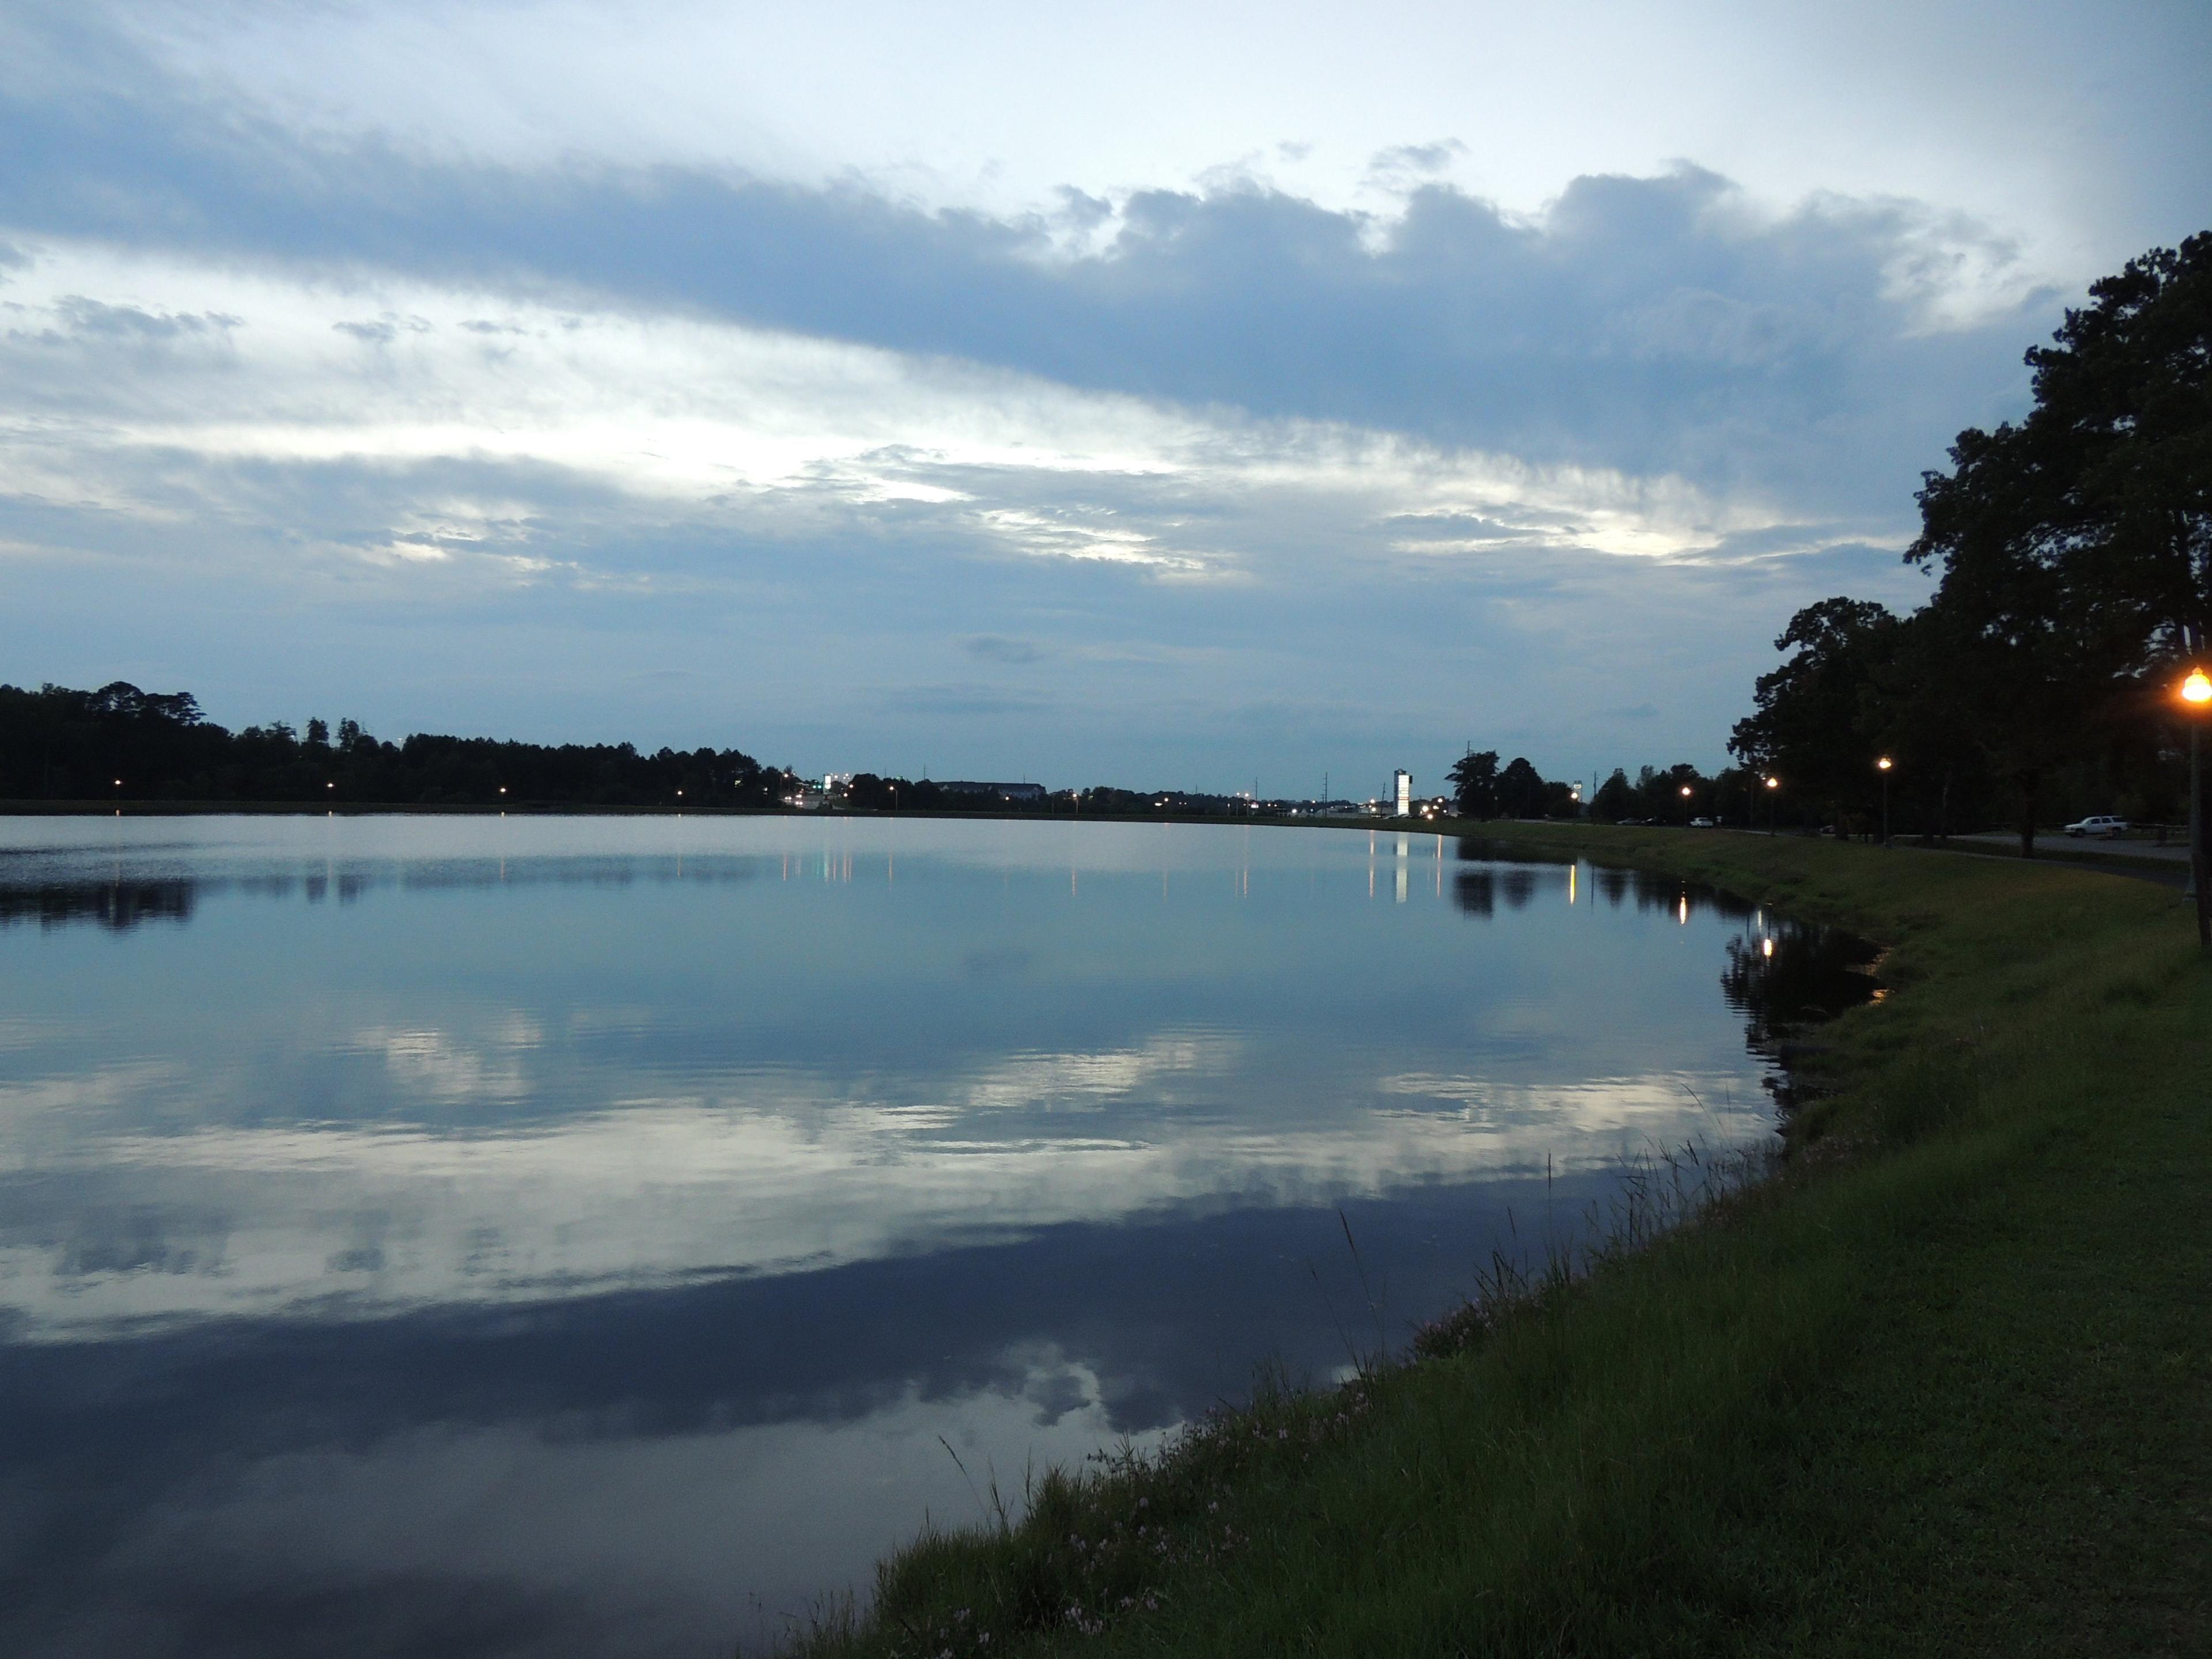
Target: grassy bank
[{"x": 1944, "y": 1384}]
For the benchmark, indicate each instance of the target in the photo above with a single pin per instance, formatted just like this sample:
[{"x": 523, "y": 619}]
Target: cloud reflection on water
[{"x": 577, "y": 1168}]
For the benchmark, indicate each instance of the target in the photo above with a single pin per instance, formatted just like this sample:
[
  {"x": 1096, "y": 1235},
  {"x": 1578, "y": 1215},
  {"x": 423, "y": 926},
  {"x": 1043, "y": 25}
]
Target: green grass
[{"x": 1942, "y": 1384}]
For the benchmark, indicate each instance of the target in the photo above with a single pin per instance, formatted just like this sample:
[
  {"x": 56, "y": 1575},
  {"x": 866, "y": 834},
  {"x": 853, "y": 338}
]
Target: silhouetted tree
[
  {"x": 1616, "y": 799},
  {"x": 1676, "y": 795},
  {"x": 2076, "y": 548},
  {"x": 2008, "y": 650},
  {"x": 1521, "y": 791},
  {"x": 2121, "y": 437},
  {"x": 1807, "y": 729},
  {"x": 1474, "y": 784}
]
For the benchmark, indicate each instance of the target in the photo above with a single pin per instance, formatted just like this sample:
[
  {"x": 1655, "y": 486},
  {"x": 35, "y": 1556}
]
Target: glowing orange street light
[
  {"x": 2195, "y": 694},
  {"x": 1772, "y": 784},
  {"x": 1882, "y": 766}
]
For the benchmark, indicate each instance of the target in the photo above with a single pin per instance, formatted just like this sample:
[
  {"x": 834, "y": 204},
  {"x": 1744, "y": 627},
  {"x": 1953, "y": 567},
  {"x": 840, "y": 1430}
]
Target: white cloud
[{"x": 753, "y": 428}]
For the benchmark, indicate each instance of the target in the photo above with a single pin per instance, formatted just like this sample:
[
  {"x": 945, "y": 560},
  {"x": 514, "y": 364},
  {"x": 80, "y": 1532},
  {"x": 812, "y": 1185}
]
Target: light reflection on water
[{"x": 545, "y": 1235}]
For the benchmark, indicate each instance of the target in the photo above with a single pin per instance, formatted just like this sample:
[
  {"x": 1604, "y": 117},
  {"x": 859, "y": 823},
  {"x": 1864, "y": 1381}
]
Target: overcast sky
[{"x": 1185, "y": 395}]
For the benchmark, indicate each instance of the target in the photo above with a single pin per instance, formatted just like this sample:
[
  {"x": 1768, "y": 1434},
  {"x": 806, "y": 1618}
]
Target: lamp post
[
  {"x": 119, "y": 798},
  {"x": 2195, "y": 694},
  {"x": 1772, "y": 784},
  {"x": 1882, "y": 766},
  {"x": 1686, "y": 806}
]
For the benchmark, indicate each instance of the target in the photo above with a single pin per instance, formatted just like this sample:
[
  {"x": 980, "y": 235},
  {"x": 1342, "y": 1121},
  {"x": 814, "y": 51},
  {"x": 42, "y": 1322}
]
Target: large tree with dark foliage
[
  {"x": 2119, "y": 450},
  {"x": 1616, "y": 800},
  {"x": 2076, "y": 547},
  {"x": 1522, "y": 793},
  {"x": 1809, "y": 727},
  {"x": 2073, "y": 550},
  {"x": 1474, "y": 784}
]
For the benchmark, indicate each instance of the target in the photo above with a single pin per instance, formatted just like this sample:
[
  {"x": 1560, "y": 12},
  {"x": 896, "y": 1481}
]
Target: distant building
[
  {"x": 1009, "y": 791},
  {"x": 1402, "y": 792}
]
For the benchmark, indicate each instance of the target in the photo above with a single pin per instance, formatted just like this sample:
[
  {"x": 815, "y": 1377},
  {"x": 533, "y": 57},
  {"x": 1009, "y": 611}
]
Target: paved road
[
  {"x": 2172, "y": 853},
  {"x": 2145, "y": 860}
]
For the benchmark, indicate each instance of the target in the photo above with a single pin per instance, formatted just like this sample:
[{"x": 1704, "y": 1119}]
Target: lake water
[{"x": 566, "y": 1235}]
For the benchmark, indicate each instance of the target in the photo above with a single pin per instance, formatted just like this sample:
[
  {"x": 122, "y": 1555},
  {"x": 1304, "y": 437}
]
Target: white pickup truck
[{"x": 2108, "y": 827}]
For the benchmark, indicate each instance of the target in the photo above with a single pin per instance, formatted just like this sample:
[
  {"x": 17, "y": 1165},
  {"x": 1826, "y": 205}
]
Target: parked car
[
  {"x": 1701, "y": 824},
  {"x": 2107, "y": 827}
]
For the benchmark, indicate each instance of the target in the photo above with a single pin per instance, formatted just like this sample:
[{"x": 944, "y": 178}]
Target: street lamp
[
  {"x": 1686, "y": 806},
  {"x": 119, "y": 798},
  {"x": 1772, "y": 784},
  {"x": 2195, "y": 694},
  {"x": 1882, "y": 766}
]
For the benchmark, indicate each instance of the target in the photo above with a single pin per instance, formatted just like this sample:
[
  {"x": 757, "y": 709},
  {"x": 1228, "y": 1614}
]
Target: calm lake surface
[{"x": 567, "y": 1236}]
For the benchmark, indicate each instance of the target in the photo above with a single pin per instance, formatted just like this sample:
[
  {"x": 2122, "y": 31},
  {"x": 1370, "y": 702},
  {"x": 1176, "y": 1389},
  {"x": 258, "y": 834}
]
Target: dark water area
[
  {"x": 1786, "y": 978},
  {"x": 564, "y": 1236}
]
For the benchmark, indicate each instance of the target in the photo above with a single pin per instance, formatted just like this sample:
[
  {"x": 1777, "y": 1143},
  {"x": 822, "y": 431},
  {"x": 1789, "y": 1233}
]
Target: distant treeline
[
  {"x": 1482, "y": 789},
  {"x": 124, "y": 745},
  {"x": 2127, "y": 772},
  {"x": 121, "y": 743}
]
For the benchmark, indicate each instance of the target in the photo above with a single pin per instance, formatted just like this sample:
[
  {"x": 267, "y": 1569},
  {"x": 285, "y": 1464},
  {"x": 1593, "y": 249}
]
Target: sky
[{"x": 1195, "y": 395}]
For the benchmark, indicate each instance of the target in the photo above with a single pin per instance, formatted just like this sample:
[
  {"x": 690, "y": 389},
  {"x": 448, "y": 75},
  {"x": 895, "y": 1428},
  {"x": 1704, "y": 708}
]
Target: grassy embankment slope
[{"x": 1944, "y": 1384}]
